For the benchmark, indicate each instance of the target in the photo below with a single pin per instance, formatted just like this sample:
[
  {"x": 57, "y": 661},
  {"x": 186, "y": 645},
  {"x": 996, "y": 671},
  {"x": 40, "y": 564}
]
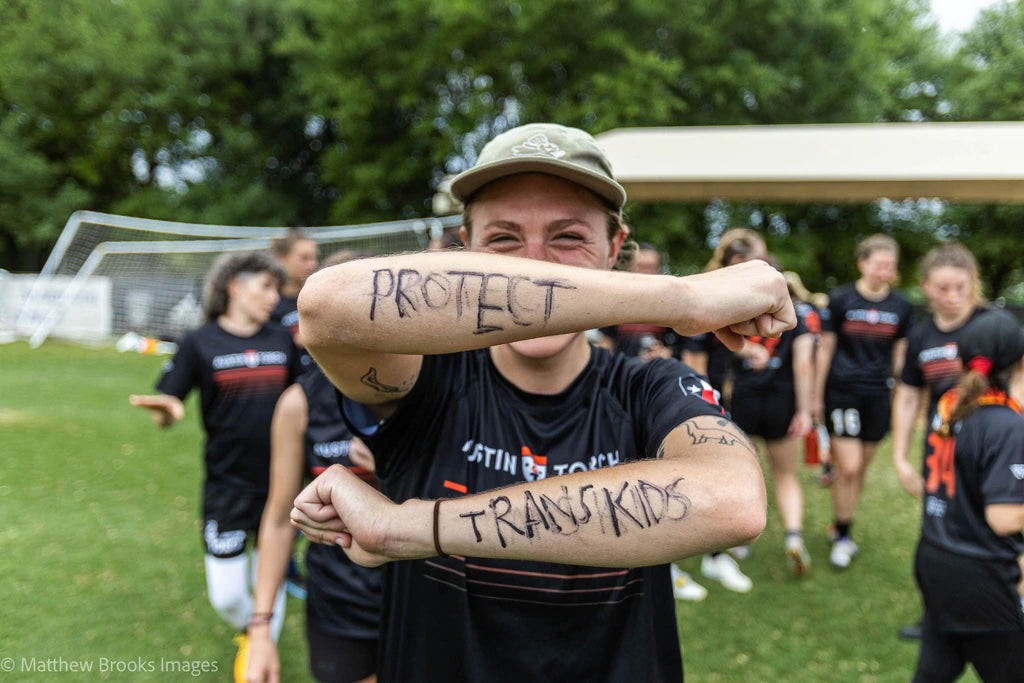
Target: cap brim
[{"x": 466, "y": 183}]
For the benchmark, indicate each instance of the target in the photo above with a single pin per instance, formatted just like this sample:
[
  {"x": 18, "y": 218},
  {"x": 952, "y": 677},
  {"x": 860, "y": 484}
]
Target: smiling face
[
  {"x": 538, "y": 216},
  {"x": 253, "y": 296}
]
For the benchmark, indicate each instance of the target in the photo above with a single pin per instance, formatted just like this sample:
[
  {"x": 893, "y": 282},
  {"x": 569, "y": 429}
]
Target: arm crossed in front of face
[{"x": 367, "y": 322}]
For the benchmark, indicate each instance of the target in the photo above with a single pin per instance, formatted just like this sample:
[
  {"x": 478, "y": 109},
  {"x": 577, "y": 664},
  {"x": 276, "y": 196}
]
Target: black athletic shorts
[
  {"x": 762, "y": 413},
  {"x": 340, "y": 660},
  {"x": 973, "y": 615},
  {"x": 228, "y": 518},
  {"x": 857, "y": 416}
]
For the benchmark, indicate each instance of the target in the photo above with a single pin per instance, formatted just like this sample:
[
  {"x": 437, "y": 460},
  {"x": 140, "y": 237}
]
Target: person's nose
[{"x": 536, "y": 249}]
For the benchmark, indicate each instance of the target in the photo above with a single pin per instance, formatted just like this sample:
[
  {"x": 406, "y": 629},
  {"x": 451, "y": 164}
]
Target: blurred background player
[
  {"x": 863, "y": 339},
  {"x": 709, "y": 357},
  {"x": 298, "y": 255},
  {"x": 773, "y": 385},
  {"x": 308, "y": 435},
  {"x": 808, "y": 306},
  {"x": 643, "y": 341},
  {"x": 968, "y": 560},
  {"x": 705, "y": 353},
  {"x": 951, "y": 283},
  {"x": 240, "y": 362}
]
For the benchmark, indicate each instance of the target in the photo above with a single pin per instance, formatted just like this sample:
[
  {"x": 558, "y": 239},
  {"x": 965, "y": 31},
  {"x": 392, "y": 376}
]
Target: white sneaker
[
  {"x": 684, "y": 587},
  {"x": 797, "y": 557},
  {"x": 723, "y": 568},
  {"x": 843, "y": 552}
]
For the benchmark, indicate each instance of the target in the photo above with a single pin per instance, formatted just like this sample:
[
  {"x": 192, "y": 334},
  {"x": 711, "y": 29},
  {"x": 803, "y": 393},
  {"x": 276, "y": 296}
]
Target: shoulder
[
  {"x": 922, "y": 329},
  {"x": 276, "y": 332},
  {"x": 843, "y": 291},
  {"x": 900, "y": 299},
  {"x": 292, "y": 404}
]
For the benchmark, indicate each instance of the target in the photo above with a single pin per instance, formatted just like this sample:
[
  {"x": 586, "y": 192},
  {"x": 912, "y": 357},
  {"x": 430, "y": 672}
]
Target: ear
[
  {"x": 616, "y": 247},
  {"x": 464, "y": 235}
]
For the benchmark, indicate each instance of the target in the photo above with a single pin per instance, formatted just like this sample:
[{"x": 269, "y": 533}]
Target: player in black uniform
[
  {"x": 773, "y": 385},
  {"x": 308, "y": 435},
  {"x": 949, "y": 280},
  {"x": 862, "y": 346},
  {"x": 298, "y": 255},
  {"x": 709, "y": 357},
  {"x": 240, "y": 362},
  {"x": 705, "y": 352},
  {"x": 968, "y": 561},
  {"x": 470, "y": 376},
  {"x": 644, "y": 341}
]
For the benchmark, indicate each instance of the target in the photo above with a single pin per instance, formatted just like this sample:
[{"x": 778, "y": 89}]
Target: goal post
[{"x": 154, "y": 270}]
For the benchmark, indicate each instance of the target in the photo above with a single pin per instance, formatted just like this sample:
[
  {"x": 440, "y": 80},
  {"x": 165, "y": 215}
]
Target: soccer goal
[{"x": 108, "y": 275}]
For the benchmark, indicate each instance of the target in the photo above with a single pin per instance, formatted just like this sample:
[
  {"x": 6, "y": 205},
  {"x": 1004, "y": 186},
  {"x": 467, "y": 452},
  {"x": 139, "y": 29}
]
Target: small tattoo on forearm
[
  {"x": 370, "y": 380},
  {"x": 497, "y": 299},
  {"x": 630, "y": 505},
  {"x": 724, "y": 433}
]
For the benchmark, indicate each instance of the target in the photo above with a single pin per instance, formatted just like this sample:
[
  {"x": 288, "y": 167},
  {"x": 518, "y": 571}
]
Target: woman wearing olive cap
[
  {"x": 569, "y": 476},
  {"x": 968, "y": 562}
]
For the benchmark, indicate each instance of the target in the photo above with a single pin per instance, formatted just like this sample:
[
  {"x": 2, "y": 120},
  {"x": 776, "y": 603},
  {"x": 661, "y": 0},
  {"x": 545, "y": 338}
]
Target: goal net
[{"x": 108, "y": 275}]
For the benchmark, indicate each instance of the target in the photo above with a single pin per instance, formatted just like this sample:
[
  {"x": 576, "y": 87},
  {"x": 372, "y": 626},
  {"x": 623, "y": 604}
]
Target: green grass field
[{"x": 102, "y": 564}]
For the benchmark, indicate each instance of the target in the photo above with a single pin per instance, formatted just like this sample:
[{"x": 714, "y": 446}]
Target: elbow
[
  {"x": 1005, "y": 519},
  {"x": 320, "y": 308},
  {"x": 746, "y": 507}
]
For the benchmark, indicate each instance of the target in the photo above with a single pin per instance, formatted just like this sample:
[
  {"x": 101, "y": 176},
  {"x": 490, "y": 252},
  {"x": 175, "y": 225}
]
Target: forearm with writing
[
  {"x": 636, "y": 514},
  {"x": 445, "y": 302}
]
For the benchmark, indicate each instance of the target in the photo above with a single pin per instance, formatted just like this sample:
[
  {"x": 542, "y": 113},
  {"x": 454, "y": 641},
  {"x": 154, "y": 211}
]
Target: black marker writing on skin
[
  {"x": 630, "y": 505},
  {"x": 406, "y": 292}
]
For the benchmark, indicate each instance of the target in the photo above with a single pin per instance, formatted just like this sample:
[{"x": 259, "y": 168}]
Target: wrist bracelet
[
  {"x": 259, "y": 619},
  {"x": 437, "y": 538}
]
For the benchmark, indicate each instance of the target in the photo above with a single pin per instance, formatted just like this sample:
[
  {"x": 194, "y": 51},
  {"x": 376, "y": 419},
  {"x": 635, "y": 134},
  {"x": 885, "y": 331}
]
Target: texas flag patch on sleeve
[{"x": 696, "y": 386}]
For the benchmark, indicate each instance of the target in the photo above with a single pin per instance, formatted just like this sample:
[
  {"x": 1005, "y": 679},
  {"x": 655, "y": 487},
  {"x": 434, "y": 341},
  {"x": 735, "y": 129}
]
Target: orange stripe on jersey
[{"x": 461, "y": 488}]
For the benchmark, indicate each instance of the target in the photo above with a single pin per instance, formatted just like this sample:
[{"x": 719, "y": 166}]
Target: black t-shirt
[
  {"x": 344, "y": 598},
  {"x": 630, "y": 338},
  {"x": 983, "y": 464},
  {"x": 465, "y": 429},
  {"x": 286, "y": 313},
  {"x": 777, "y": 377},
  {"x": 865, "y": 333},
  {"x": 239, "y": 381},
  {"x": 933, "y": 360},
  {"x": 718, "y": 354}
]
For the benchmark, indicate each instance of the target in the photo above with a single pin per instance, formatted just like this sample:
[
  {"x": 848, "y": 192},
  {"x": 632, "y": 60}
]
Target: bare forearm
[
  {"x": 402, "y": 304},
  {"x": 275, "y": 549},
  {"x": 803, "y": 372},
  {"x": 823, "y": 363},
  {"x": 630, "y": 515},
  {"x": 443, "y": 302},
  {"x": 906, "y": 403}
]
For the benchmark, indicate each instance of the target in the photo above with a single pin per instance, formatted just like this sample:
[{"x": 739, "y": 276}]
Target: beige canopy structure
[{"x": 959, "y": 162}]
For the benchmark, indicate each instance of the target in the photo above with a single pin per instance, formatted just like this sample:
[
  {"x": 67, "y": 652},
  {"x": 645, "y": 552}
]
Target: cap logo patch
[
  {"x": 538, "y": 145},
  {"x": 1017, "y": 470}
]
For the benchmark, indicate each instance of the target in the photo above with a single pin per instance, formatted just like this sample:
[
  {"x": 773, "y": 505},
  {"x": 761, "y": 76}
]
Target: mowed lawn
[{"x": 101, "y": 562}]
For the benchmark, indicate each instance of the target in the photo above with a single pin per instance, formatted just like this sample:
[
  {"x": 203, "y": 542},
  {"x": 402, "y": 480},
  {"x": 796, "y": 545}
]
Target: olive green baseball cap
[{"x": 568, "y": 153}]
